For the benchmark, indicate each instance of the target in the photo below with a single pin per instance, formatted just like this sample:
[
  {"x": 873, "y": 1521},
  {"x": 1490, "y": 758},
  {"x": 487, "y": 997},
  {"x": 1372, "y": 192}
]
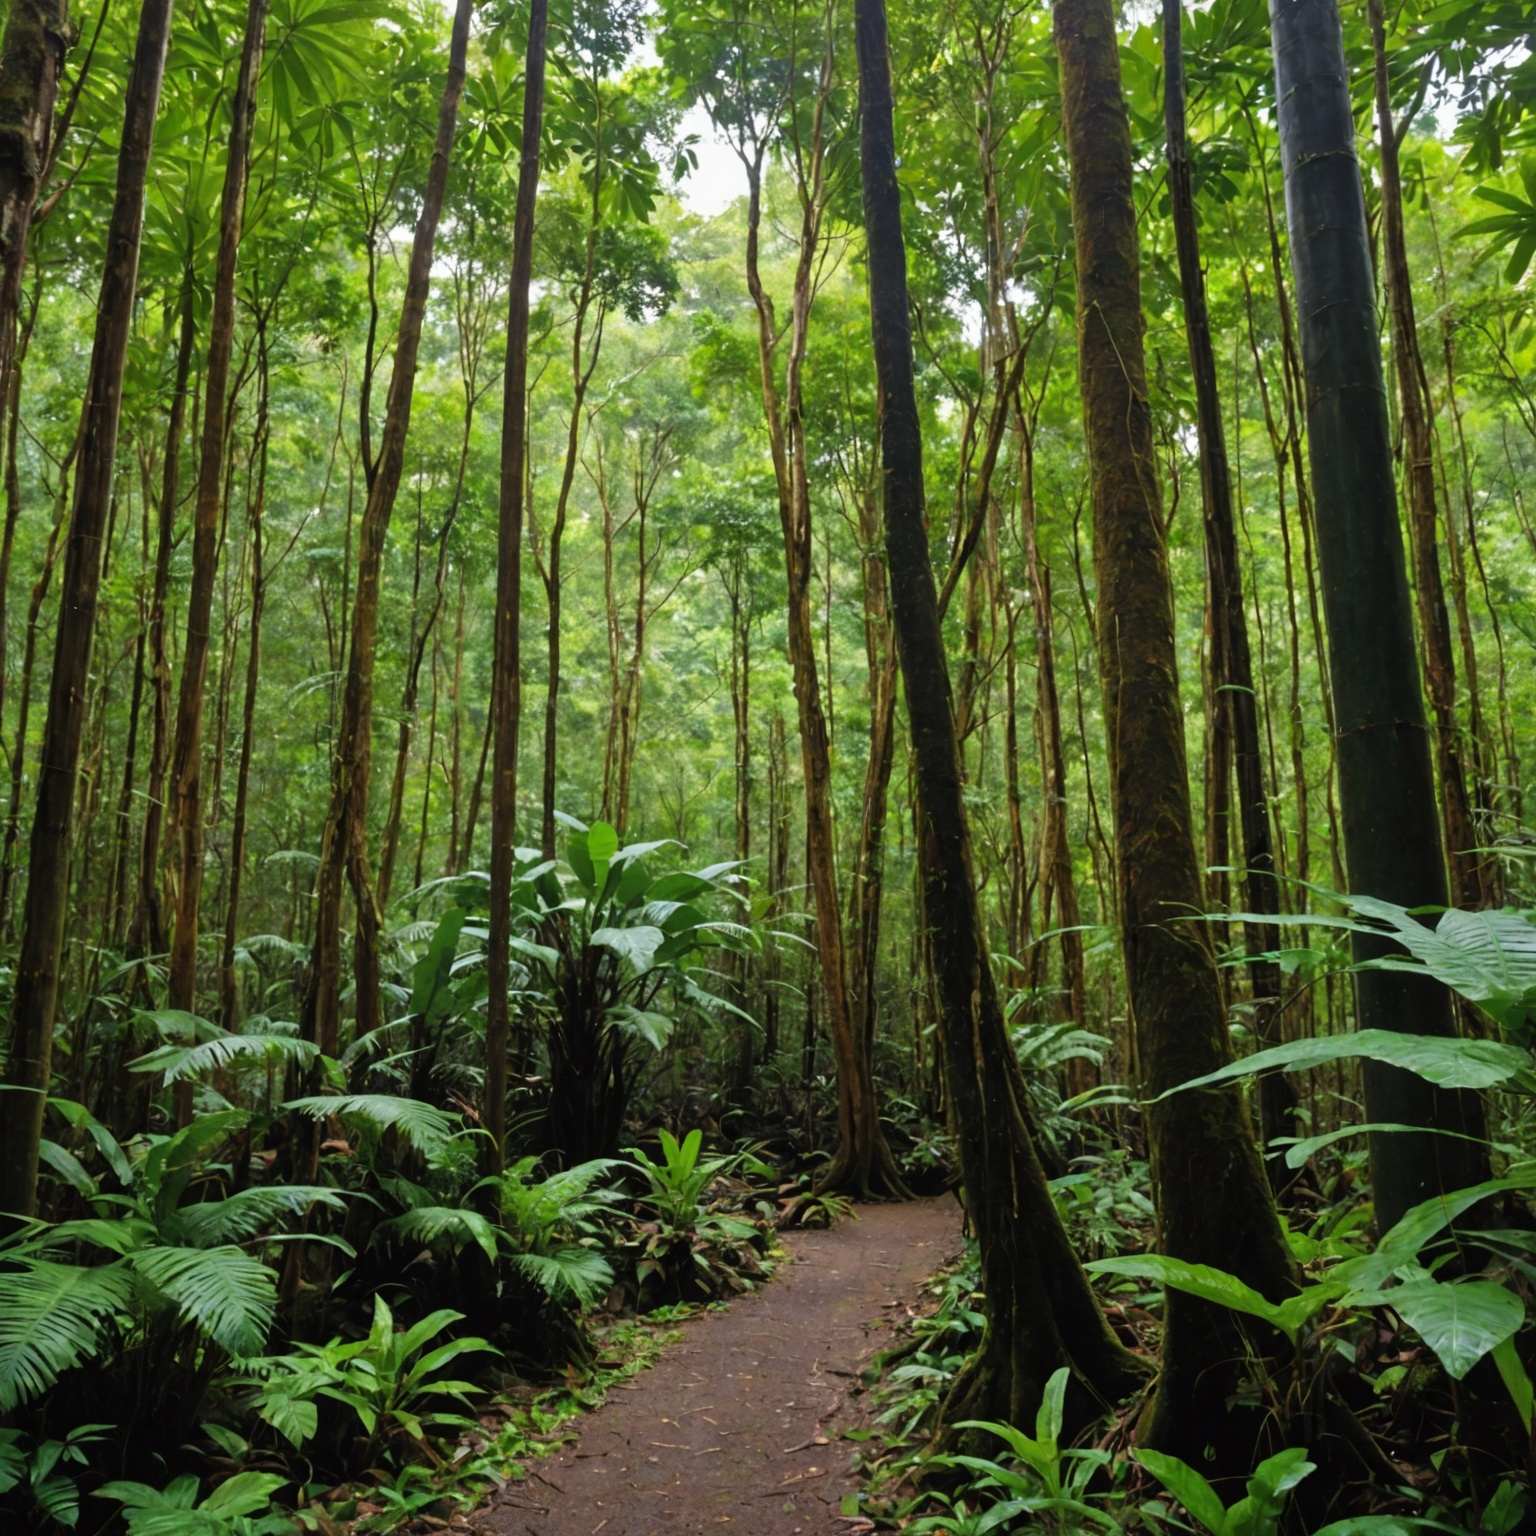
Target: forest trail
[{"x": 722, "y": 1433}]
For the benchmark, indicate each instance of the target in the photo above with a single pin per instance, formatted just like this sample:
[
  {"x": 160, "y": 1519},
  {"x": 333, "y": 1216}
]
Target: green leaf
[
  {"x": 1448, "y": 1063},
  {"x": 224, "y": 1292},
  {"x": 637, "y": 945},
  {"x": 1188, "y": 1487},
  {"x": 427, "y": 1128},
  {"x": 1461, "y": 1322},
  {"x": 181, "y": 1061},
  {"x": 245, "y": 1493},
  {"x": 1225, "y": 1290},
  {"x": 1517, "y": 1380},
  {"x": 52, "y": 1317}
]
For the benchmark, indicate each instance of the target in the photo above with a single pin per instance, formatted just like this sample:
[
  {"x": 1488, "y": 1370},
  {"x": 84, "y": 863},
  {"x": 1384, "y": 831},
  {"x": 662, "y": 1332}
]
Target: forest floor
[{"x": 737, "y": 1426}]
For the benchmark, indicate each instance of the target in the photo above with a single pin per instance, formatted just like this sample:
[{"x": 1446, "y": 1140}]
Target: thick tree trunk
[
  {"x": 1214, "y": 1204},
  {"x": 1391, "y": 832},
  {"x": 1232, "y": 675},
  {"x": 1040, "y": 1310},
  {"x": 506, "y": 680},
  {"x": 35, "y": 997},
  {"x": 187, "y": 808}
]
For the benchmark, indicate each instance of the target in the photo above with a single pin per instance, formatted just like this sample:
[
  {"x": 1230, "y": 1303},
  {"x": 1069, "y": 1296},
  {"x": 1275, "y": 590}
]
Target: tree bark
[
  {"x": 344, "y": 847},
  {"x": 1232, "y": 673},
  {"x": 1040, "y": 1310},
  {"x": 1386, "y": 787},
  {"x": 35, "y": 998},
  {"x": 1423, "y": 503},
  {"x": 1214, "y": 1203},
  {"x": 187, "y": 810},
  {"x": 506, "y": 680}
]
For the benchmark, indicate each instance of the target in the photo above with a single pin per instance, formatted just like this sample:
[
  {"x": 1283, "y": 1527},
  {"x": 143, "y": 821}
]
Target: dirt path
[{"x": 721, "y": 1433}]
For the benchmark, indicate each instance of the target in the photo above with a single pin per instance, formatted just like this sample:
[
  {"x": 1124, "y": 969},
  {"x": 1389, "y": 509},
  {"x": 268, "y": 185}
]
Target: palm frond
[
  {"x": 51, "y": 1319},
  {"x": 575, "y": 1274},
  {"x": 431, "y": 1224},
  {"x": 178, "y": 1061},
  {"x": 247, "y": 1213},
  {"x": 223, "y": 1292},
  {"x": 425, "y": 1127}
]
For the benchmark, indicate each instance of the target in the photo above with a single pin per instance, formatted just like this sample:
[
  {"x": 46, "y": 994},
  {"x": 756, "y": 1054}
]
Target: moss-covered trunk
[
  {"x": 1040, "y": 1310},
  {"x": 1214, "y": 1204},
  {"x": 1391, "y": 832}
]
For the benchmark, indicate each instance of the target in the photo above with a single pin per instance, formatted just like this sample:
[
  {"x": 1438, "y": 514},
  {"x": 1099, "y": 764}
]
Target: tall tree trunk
[
  {"x": 506, "y": 677},
  {"x": 187, "y": 810},
  {"x": 1041, "y": 1312},
  {"x": 229, "y": 996},
  {"x": 36, "y": 991},
  {"x": 344, "y": 846},
  {"x": 1225, "y": 1218},
  {"x": 147, "y": 931},
  {"x": 862, "y": 1162},
  {"x": 1233, "y": 675},
  {"x": 1391, "y": 832},
  {"x": 1423, "y": 509}
]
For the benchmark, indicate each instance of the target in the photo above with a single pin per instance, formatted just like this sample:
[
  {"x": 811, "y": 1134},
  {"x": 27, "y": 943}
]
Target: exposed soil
[{"x": 736, "y": 1427}]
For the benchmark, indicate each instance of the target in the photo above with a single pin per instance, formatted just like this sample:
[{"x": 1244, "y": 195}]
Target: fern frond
[
  {"x": 575, "y": 1274},
  {"x": 425, "y": 1127},
  {"x": 223, "y": 1292},
  {"x": 246, "y": 1214},
  {"x": 51, "y": 1319},
  {"x": 178, "y": 1061},
  {"x": 429, "y": 1224}
]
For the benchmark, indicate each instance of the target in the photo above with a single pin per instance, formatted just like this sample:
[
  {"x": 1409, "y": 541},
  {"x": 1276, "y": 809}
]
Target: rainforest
[{"x": 762, "y": 767}]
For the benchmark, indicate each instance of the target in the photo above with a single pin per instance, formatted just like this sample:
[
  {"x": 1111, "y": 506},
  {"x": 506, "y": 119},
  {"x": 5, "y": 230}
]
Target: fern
[
  {"x": 432, "y": 1224},
  {"x": 245, "y": 1214},
  {"x": 178, "y": 1061},
  {"x": 426, "y": 1128},
  {"x": 223, "y": 1292},
  {"x": 52, "y": 1317},
  {"x": 567, "y": 1274}
]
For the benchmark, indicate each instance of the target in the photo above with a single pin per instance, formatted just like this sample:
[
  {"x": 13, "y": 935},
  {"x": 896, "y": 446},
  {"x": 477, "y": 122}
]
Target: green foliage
[
  {"x": 229, "y": 1510},
  {"x": 388, "y": 1382}
]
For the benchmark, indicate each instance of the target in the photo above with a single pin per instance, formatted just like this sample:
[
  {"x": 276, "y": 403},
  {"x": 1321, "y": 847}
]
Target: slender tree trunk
[
  {"x": 1040, "y": 1310},
  {"x": 1236, "y": 697},
  {"x": 1224, "y": 1218},
  {"x": 344, "y": 846},
  {"x": 1423, "y": 510},
  {"x": 229, "y": 995},
  {"x": 862, "y": 1162},
  {"x": 36, "y": 990},
  {"x": 506, "y": 680},
  {"x": 187, "y": 808},
  {"x": 147, "y": 931},
  {"x": 1391, "y": 834}
]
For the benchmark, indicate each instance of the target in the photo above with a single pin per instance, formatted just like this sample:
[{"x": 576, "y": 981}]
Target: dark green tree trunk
[
  {"x": 1040, "y": 1310},
  {"x": 1232, "y": 669},
  {"x": 506, "y": 680},
  {"x": 1386, "y": 788},
  {"x": 1214, "y": 1204},
  {"x": 35, "y": 999}
]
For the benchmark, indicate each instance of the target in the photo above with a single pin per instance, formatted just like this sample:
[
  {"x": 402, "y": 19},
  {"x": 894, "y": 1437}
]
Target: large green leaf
[
  {"x": 247, "y": 1213},
  {"x": 179, "y": 1061},
  {"x": 1225, "y": 1290},
  {"x": 224, "y": 1292},
  {"x": 1449, "y": 1063},
  {"x": 51, "y": 1319},
  {"x": 1188, "y": 1486},
  {"x": 637, "y": 945},
  {"x": 1461, "y": 1321},
  {"x": 424, "y": 1126}
]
